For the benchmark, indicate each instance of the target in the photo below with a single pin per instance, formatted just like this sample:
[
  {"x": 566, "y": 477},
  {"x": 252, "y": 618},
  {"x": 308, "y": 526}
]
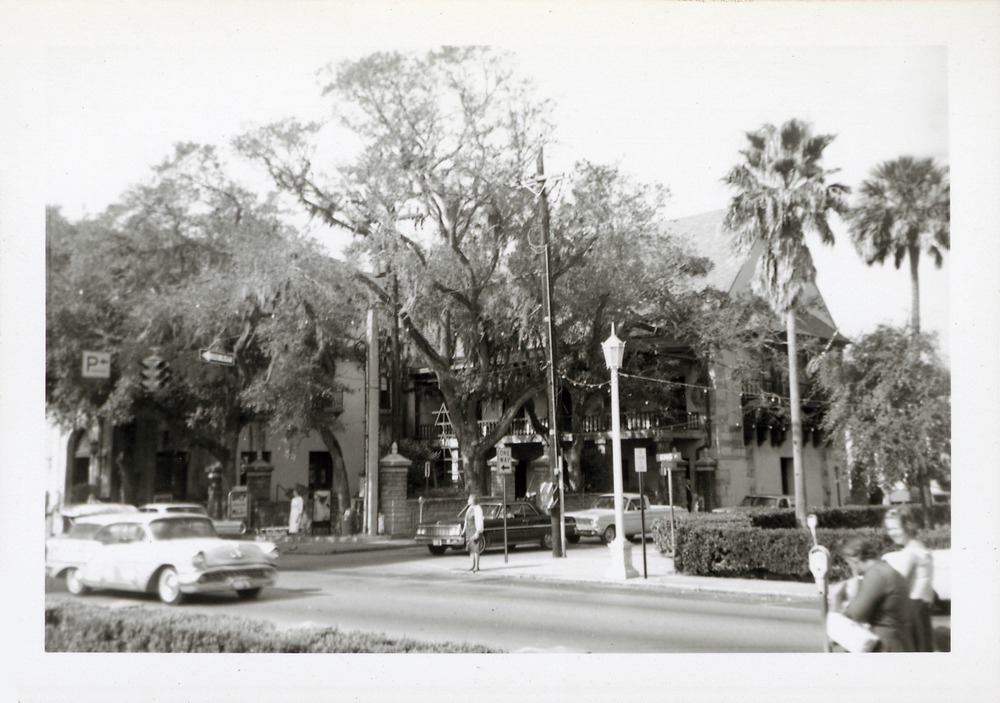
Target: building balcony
[{"x": 589, "y": 424}]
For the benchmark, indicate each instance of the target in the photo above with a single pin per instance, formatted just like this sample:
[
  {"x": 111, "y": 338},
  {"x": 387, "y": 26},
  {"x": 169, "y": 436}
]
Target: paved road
[{"x": 394, "y": 593}]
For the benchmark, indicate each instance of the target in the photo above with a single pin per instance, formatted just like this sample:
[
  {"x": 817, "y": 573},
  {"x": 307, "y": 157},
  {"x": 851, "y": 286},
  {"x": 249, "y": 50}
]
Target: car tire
[
  {"x": 481, "y": 544},
  {"x": 573, "y": 539},
  {"x": 547, "y": 540},
  {"x": 248, "y": 593},
  {"x": 608, "y": 536},
  {"x": 168, "y": 587},
  {"x": 74, "y": 583},
  {"x": 436, "y": 550}
]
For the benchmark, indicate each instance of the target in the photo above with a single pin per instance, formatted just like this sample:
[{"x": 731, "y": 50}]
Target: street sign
[
  {"x": 217, "y": 357},
  {"x": 504, "y": 460},
  {"x": 668, "y": 462},
  {"x": 96, "y": 364},
  {"x": 640, "y": 460}
]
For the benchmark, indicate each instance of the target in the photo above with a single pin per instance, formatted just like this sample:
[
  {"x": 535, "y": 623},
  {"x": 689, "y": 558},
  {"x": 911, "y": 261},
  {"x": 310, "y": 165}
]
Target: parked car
[
  {"x": 167, "y": 554},
  {"x": 752, "y": 502},
  {"x": 223, "y": 528},
  {"x": 525, "y": 525},
  {"x": 599, "y": 519},
  {"x": 72, "y": 511}
]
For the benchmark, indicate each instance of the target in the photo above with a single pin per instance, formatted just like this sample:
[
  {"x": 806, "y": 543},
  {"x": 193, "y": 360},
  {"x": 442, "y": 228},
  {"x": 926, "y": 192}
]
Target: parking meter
[{"x": 819, "y": 566}]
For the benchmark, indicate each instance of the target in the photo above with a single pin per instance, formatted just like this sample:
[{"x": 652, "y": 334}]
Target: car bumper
[
  {"x": 442, "y": 541},
  {"x": 234, "y": 579}
]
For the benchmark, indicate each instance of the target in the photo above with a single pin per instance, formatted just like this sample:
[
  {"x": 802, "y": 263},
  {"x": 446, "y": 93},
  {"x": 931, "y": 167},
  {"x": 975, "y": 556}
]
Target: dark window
[
  {"x": 320, "y": 471},
  {"x": 787, "y": 476}
]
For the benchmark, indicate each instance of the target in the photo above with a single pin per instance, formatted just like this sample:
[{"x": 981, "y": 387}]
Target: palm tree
[
  {"x": 781, "y": 195},
  {"x": 904, "y": 210}
]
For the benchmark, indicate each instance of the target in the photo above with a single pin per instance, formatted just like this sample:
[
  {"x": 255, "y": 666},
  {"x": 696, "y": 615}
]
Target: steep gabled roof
[{"x": 732, "y": 271}]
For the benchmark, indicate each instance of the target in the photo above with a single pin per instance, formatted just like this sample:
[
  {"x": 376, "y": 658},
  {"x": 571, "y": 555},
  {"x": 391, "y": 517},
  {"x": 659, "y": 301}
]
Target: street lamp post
[{"x": 621, "y": 550}]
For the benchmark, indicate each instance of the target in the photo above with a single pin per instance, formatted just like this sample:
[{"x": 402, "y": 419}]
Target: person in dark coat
[{"x": 883, "y": 597}]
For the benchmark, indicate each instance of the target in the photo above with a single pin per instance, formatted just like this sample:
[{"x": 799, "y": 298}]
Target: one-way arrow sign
[{"x": 217, "y": 357}]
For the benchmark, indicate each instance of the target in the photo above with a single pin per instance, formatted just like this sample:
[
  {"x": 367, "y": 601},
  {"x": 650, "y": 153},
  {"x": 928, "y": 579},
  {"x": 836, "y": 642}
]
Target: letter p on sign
[{"x": 96, "y": 364}]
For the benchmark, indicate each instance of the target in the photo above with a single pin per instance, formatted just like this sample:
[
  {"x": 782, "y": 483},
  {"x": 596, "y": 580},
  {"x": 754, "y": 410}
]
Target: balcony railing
[{"x": 521, "y": 427}]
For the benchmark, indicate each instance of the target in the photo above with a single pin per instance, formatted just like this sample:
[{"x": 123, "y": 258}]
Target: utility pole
[
  {"x": 558, "y": 530},
  {"x": 371, "y": 505}
]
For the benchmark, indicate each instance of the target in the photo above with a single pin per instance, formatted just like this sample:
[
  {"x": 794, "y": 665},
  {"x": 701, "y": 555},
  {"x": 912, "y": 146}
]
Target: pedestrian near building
[
  {"x": 882, "y": 602},
  {"x": 473, "y": 530},
  {"x": 916, "y": 564},
  {"x": 295, "y": 517}
]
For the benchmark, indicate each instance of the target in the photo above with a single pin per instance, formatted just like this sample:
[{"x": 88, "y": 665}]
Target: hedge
[
  {"x": 78, "y": 627},
  {"x": 729, "y": 549},
  {"x": 847, "y": 517}
]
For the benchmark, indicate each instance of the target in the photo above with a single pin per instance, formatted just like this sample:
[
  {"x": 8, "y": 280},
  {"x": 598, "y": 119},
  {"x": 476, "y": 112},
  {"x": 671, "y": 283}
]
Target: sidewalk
[{"x": 583, "y": 563}]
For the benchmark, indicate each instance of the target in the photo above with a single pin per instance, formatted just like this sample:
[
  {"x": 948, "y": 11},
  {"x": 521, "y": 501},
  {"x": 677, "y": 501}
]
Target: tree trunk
[
  {"x": 914, "y": 256},
  {"x": 793, "y": 391},
  {"x": 341, "y": 486},
  {"x": 573, "y": 455},
  {"x": 474, "y": 469}
]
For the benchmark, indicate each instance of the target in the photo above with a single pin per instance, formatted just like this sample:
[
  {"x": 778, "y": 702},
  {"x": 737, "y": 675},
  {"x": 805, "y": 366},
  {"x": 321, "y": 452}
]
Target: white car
[
  {"x": 223, "y": 527},
  {"x": 599, "y": 519},
  {"x": 170, "y": 555}
]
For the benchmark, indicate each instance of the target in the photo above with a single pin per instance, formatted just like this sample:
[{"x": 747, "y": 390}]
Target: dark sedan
[{"x": 524, "y": 524}]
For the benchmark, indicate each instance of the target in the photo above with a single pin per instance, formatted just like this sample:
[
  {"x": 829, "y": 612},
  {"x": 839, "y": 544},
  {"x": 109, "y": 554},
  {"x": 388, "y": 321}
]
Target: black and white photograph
[{"x": 432, "y": 350}]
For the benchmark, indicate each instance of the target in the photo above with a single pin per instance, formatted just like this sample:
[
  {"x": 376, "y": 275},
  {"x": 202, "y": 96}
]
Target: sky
[
  {"x": 95, "y": 92},
  {"x": 673, "y": 115}
]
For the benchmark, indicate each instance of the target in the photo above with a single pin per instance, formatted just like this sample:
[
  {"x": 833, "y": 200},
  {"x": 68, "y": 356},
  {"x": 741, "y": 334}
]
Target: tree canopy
[
  {"x": 903, "y": 211},
  {"x": 187, "y": 262},
  {"x": 890, "y": 398}
]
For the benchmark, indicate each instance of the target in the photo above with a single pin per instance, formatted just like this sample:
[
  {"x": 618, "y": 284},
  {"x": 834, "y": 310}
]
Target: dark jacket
[{"x": 883, "y": 602}]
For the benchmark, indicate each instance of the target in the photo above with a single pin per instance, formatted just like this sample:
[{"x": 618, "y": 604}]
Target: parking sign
[{"x": 96, "y": 364}]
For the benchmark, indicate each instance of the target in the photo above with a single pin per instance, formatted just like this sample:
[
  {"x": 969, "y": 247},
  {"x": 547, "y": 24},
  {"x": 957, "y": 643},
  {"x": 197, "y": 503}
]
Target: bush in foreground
[
  {"x": 78, "y": 627},
  {"x": 733, "y": 549}
]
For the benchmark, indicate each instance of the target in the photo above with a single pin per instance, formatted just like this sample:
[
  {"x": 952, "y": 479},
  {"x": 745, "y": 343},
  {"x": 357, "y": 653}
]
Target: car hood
[
  {"x": 588, "y": 514},
  {"x": 216, "y": 551}
]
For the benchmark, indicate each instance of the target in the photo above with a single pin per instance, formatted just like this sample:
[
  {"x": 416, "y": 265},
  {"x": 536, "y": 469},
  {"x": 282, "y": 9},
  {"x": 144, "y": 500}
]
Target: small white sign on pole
[
  {"x": 96, "y": 364},
  {"x": 640, "y": 460},
  {"x": 504, "y": 460}
]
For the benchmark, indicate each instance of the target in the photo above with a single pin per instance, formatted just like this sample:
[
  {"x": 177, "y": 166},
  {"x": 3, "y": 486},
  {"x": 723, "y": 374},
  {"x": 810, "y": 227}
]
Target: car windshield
[
  {"x": 182, "y": 528},
  {"x": 605, "y": 503},
  {"x": 755, "y": 501},
  {"x": 83, "y": 531}
]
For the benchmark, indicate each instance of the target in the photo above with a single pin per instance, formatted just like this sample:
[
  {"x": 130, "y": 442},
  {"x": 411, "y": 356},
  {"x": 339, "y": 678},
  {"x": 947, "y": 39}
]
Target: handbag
[{"x": 849, "y": 634}]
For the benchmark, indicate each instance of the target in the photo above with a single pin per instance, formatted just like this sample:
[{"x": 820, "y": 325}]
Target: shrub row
[
  {"x": 730, "y": 549},
  {"x": 77, "y": 627},
  {"x": 847, "y": 517}
]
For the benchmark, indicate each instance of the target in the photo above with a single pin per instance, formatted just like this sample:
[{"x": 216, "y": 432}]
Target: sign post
[
  {"x": 668, "y": 464},
  {"x": 640, "y": 468},
  {"x": 504, "y": 463}
]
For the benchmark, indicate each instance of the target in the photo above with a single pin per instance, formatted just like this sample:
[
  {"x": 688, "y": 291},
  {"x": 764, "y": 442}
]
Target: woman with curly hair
[{"x": 916, "y": 564}]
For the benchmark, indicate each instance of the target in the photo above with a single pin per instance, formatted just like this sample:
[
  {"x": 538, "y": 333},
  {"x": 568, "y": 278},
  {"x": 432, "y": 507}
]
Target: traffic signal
[{"x": 155, "y": 373}]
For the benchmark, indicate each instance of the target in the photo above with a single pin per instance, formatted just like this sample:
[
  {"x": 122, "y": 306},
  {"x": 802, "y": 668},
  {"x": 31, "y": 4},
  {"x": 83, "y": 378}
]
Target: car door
[
  {"x": 105, "y": 567},
  {"x": 519, "y": 524}
]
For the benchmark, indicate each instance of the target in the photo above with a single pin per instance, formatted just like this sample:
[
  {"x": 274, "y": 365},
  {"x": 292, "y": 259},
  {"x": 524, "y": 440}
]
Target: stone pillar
[
  {"x": 540, "y": 470},
  {"x": 214, "y": 474},
  {"x": 259, "y": 480},
  {"x": 392, "y": 471}
]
